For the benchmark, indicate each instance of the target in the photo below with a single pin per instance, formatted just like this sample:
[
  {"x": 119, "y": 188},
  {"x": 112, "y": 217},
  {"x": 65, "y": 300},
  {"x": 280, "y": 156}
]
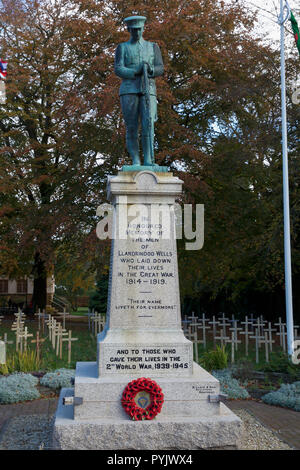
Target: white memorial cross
[
  {"x": 223, "y": 338},
  {"x": 192, "y": 335},
  {"x": 203, "y": 327},
  {"x": 259, "y": 325},
  {"x": 60, "y": 332},
  {"x": 235, "y": 330},
  {"x": 99, "y": 323},
  {"x": 20, "y": 315},
  {"x": 55, "y": 335},
  {"x": 251, "y": 321},
  {"x": 258, "y": 339},
  {"x": 24, "y": 336},
  {"x": 233, "y": 341},
  {"x": 281, "y": 333},
  {"x": 214, "y": 324},
  {"x": 69, "y": 339},
  {"x": 247, "y": 332},
  {"x": 223, "y": 323},
  {"x": 51, "y": 323},
  {"x": 191, "y": 320},
  {"x": 5, "y": 339},
  {"x": 268, "y": 344},
  {"x": 296, "y": 337},
  {"x": 18, "y": 328},
  {"x": 269, "y": 332},
  {"x": 185, "y": 324},
  {"x": 192, "y": 317},
  {"x": 63, "y": 315}
]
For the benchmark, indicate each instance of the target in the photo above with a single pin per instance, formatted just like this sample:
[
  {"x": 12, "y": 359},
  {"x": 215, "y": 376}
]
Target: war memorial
[{"x": 144, "y": 391}]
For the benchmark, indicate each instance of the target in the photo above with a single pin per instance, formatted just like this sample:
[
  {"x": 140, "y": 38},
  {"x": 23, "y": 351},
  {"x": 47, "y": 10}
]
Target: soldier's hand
[{"x": 140, "y": 69}]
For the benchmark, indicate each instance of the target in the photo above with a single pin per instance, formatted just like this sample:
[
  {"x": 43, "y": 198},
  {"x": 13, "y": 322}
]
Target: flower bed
[
  {"x": 60, "y": 378},
  {"x": 288, "y": 396},
  {"x": 230, "y": 386},
  {"x": 18, "y": 387}
]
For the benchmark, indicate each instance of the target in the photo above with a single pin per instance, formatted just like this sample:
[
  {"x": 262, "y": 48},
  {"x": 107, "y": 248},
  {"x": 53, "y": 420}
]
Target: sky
[{"x": 267, "y": 17}]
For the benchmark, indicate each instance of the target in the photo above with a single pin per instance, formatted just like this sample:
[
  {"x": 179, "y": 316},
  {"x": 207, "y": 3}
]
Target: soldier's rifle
[{"x": 148, "y": 108}]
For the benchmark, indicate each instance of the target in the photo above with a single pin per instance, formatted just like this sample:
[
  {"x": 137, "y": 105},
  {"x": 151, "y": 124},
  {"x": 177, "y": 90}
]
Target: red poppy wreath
[{"x": 142, "y": 399}]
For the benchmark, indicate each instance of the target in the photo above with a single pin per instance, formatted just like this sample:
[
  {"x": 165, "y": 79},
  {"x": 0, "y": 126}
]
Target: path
[
  {"x": 37, "y": 407},
  {"x": 285, "y": 422}
]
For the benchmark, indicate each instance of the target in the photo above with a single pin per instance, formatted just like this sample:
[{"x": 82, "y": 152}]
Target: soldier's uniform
[{"x": 129, "y": 57}]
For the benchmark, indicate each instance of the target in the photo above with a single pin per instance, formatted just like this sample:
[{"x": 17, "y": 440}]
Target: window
[
  {"x": 4, "y": 286},
  {"x": 21, "y": 286}
]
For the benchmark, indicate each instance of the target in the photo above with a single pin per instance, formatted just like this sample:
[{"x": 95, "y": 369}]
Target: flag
[
  {"x": 3, "y": 67},
  {"x": 295, "y": 28}
]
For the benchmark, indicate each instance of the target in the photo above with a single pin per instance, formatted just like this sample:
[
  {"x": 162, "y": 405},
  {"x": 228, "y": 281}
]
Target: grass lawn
[
  {"x": 84, "y": 349},
  {"x": 80, "y": 311}
]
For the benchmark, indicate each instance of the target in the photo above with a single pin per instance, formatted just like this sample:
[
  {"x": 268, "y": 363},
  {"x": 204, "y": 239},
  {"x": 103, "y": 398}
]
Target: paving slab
[{"x": 283, "y": 421}]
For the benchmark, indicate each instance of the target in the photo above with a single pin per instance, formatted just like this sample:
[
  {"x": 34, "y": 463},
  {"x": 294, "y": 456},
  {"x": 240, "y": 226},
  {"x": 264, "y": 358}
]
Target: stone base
[
  {"x": 156, "y": 168},
  {"x": 184, "y": 397},
  {"x": 217, "y": 432},
  {"x": 189, "y": 418}
]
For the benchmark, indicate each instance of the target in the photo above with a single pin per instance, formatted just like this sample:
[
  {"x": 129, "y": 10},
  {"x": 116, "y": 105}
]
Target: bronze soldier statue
[{"x": 138, "y": 62}]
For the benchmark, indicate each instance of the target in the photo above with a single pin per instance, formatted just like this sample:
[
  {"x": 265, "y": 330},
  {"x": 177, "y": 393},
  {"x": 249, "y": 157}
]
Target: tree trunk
[{"x": 39, "y": 298}]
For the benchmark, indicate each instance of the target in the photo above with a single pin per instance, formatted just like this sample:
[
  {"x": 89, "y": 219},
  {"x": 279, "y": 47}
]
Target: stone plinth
[
  {"x": 143, "y": 332},
  {"x": 183, "y": 397},
  {"x": 143, "y": 338}
]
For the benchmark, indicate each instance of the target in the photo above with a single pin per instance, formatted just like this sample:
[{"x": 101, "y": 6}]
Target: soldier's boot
[
  {"x": 133, "y": 147},
  {"x": 146, "y": 150}
]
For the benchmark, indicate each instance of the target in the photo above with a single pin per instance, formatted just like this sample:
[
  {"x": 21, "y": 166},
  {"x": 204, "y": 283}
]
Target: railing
[{"x": 60, "y": 303}]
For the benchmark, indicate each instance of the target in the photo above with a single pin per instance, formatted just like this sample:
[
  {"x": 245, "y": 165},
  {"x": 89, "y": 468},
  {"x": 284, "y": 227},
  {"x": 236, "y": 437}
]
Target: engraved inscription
[{"x": 154, "y": 359}]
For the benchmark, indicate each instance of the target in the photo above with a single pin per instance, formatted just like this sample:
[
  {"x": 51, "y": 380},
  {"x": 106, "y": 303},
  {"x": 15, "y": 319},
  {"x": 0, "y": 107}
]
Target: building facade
[{"x": 15, "y": 292}]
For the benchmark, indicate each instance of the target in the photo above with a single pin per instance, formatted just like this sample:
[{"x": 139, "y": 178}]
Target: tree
[
  {"x": 49, "y": 141},
  {"x": 62, "y": 132}
]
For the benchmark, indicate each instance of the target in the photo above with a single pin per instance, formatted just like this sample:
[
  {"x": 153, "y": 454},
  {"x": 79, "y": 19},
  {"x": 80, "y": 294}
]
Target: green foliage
[
  {"x": 98, "y": 300},
  {"x": 229, "y": 385},
  {"x": 280, "y": 362},
  {"x": 215, "y": 359},
  {"x": 243, "y": 369},
  {"x": 18, "y": 387},
  {"x": 60, "y": 378},
  {"x": 288, "y": 396},
  {"x": 27, "y": 361}
]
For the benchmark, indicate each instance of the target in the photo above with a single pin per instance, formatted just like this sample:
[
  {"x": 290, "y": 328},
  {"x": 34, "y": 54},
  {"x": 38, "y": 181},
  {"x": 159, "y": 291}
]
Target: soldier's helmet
[{"x": 135, "y": 21}]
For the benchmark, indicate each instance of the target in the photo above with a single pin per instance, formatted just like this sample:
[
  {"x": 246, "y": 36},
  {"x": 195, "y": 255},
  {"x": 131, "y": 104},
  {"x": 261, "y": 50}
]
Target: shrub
[
  {"x": 27, "y": 361},
  {"x": 280, "y": 362},
  {"x": 229, "y": 385},
  {"x": 18, "y": 387},
  {"x": 58, "y": 379},
  {"x": 215, "y": 359},
  {"x": 243, "y": 370},
  {"x": 288, "y": 396},
  {"x": 98, "y": 298}
]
